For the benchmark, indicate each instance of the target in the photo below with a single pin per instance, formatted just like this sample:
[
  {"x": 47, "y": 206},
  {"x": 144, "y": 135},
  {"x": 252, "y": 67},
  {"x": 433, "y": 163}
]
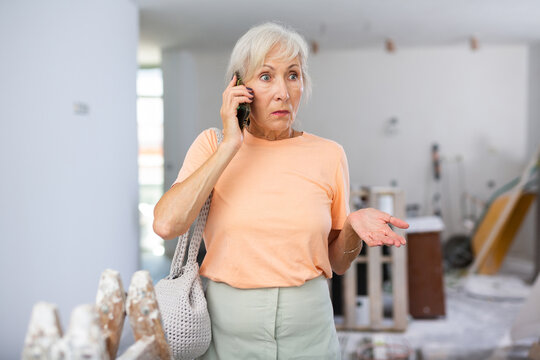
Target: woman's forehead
[
  {"x": 280, "y": 60},
  {"x": 278, "y": 54}
]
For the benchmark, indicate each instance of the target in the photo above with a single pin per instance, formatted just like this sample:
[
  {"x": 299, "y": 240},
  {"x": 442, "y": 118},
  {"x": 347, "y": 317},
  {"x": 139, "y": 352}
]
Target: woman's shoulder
[
  {"x": 324, "y": 143},
  {"x": 208, "y": 138}
]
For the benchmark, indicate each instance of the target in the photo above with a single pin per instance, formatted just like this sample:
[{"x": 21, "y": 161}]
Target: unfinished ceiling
[{"x": 338, "y": 24}]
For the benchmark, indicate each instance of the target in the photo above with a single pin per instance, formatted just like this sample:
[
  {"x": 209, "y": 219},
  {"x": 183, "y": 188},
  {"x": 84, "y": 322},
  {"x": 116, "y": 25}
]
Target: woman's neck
[{"x": 269, "y": 134}]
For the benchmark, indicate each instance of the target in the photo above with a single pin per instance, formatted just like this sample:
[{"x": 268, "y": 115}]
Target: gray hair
[{"x": 251, "y": 49}]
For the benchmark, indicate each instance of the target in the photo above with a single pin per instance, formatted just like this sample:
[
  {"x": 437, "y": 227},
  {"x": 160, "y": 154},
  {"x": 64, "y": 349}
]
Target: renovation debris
[
  {"x": 110, "y": 302},
  {"x": 495, "y": 287},
  {"x": 44, "y": 331}
]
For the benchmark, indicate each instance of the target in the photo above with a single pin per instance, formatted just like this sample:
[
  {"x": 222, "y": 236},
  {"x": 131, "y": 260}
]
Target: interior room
[{"x": 435, "y": 104}]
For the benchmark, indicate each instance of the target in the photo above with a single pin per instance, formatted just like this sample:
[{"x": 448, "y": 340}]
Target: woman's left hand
[{"x": 371, "y": 225}]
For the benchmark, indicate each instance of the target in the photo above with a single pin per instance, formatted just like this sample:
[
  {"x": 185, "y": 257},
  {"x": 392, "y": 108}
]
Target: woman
[{"x": 279, "y": 222}]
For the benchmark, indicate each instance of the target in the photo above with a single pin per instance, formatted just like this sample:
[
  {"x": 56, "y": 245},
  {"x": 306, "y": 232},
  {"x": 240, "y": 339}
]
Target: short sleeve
[
  {"x": 340, "y": 201},
  {"x": 202, "y": 148}
]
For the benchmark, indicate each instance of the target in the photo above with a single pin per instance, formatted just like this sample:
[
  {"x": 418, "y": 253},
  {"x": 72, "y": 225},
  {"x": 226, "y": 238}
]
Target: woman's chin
[{"x": 282, "y": 122}]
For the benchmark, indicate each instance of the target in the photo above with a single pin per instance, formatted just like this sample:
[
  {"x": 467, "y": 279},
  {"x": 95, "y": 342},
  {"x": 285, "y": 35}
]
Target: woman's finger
[
  {"x": 240, "y": 90},
  {"x": 398, "y": 222},
  {"x": 232, "y": 93},
  {"x": 391, "y": 238},
  {"x": 233, "y": 81},
  {"x": 403, "y": 240},
  {"x": 381, "y": 238},
  {"x": 397, "y": 239}
]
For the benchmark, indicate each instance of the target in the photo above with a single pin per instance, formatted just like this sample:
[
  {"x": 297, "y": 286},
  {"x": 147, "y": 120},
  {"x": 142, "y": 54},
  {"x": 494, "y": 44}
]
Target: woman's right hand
[{"x": 232, "y": 97}]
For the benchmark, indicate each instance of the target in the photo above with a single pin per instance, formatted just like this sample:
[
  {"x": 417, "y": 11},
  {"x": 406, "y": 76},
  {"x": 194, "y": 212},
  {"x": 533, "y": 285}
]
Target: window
[{"x": 150, "y": 159}]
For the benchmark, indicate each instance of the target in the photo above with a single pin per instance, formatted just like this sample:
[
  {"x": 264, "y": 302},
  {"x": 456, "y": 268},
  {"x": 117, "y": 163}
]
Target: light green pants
[{"x": 272, "y": 323}]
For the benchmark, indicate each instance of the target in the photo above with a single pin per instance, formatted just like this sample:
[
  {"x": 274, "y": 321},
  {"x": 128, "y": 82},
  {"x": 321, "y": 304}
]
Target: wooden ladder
[{"x": 95, "y": 329}]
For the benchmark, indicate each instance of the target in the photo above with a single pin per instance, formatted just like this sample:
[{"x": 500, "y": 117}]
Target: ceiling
[{"x": 336, "y": 24}]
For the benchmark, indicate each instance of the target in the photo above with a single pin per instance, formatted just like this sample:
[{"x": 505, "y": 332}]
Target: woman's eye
[
  {"x": 293, "y": 76},
  {"x": 265, "y": 77}
]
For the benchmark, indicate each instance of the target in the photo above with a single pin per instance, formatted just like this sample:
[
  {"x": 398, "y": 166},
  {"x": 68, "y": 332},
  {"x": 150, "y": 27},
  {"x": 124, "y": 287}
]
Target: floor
[
  {"x": 475, "y": 327},
  {"x": 472, "y": 329}
]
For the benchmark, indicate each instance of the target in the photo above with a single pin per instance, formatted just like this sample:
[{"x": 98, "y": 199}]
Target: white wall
[
  {"x": 473, "y": 104},
  {"x": 68, "y": 182}
]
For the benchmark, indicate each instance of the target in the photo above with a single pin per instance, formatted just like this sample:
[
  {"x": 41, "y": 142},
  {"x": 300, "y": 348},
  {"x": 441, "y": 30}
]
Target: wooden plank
[
  {"x": 364, "y": 259},
  {"x": 143, "y": 349},
  {"x": 43, "y": 332},
  {"x": 374, "y": 278},
  {"x": 84, "y": 338},
  {"x": 110, "y": 303},
  {"x": 507, "y": 233},
  {"x": 143, "y": 312},
  {"x": 349, "y": 296},
  {"x": 399, "y": 270}
]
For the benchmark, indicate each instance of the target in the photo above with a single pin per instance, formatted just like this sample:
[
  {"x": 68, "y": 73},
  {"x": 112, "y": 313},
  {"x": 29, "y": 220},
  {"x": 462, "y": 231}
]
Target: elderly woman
[{"x": 279, "y": 222}]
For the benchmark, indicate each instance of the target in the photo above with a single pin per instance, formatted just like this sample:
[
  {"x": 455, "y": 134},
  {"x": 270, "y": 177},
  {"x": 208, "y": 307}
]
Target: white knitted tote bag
[{"x": 180, "y": 295}]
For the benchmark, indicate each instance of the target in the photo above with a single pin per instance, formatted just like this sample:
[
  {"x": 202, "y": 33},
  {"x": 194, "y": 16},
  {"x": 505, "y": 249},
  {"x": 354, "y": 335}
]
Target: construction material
[
  {"x": 504, "y": 238},
  {"x": 144, "y": 349},
  {"x": 84, "y": 338},
  {"x": 390, "y": 200},
  {"x": 44, "y": 331},
  {"x": 143, "y": 312},
  {"x": 501, "y": 225},
  {"x": 110, "y": 302},
  {"x": 95, "y": 329},
  {"x": 495, "y": 287}
]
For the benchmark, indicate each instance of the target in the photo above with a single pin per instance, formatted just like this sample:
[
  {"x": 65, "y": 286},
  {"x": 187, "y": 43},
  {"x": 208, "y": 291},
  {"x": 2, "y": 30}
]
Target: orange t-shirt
[{"x": 272, "y": 209}]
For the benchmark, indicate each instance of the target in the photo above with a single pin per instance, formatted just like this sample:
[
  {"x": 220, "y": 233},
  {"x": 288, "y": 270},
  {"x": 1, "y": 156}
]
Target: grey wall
[
  {"x": 533, "y": 134},
  {"x": 533, "y": 130},
  {"x": 68, "y": 182}
]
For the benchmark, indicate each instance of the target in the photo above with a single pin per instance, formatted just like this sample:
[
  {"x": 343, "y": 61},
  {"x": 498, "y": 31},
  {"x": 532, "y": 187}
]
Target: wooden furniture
[
  {"x": 425, "y": 268},
  {"x": 390, "y": 200}
]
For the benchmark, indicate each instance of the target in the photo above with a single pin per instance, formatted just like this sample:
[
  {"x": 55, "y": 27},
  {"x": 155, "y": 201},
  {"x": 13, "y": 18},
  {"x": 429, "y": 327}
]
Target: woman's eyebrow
[{"x": 290, "y": 66}]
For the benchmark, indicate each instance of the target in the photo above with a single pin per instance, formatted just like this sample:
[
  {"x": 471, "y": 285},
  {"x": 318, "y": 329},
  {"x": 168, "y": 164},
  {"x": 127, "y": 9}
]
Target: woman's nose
[{"x": 282, "y": 91}]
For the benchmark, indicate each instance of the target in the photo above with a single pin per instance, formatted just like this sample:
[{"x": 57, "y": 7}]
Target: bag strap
[{"x": 195, "y": 242}]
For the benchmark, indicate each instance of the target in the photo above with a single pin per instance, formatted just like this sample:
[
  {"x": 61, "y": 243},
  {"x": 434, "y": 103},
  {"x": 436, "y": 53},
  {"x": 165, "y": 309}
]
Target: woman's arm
[
  {"x": 180, "y": 205},
  {"x": 341, "y": 242},
  {"x": 367, "y": 225}
]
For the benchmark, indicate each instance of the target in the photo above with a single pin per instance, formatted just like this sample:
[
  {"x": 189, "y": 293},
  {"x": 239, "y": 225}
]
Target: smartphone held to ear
[{"x": 243, "y": 110}]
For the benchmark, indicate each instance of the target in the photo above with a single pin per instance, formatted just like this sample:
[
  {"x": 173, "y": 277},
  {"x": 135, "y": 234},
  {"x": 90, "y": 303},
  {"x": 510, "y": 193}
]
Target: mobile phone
[{"x": 243, "y": 110}]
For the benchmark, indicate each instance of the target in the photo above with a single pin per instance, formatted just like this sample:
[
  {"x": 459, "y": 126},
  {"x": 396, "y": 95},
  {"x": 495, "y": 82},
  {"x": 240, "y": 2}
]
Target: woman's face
[{"x": 277, "y": 86}]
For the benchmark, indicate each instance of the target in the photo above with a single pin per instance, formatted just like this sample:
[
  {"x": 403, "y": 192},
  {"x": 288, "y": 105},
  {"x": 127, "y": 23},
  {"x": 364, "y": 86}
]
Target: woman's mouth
[{"x": 281, "y": 113}]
